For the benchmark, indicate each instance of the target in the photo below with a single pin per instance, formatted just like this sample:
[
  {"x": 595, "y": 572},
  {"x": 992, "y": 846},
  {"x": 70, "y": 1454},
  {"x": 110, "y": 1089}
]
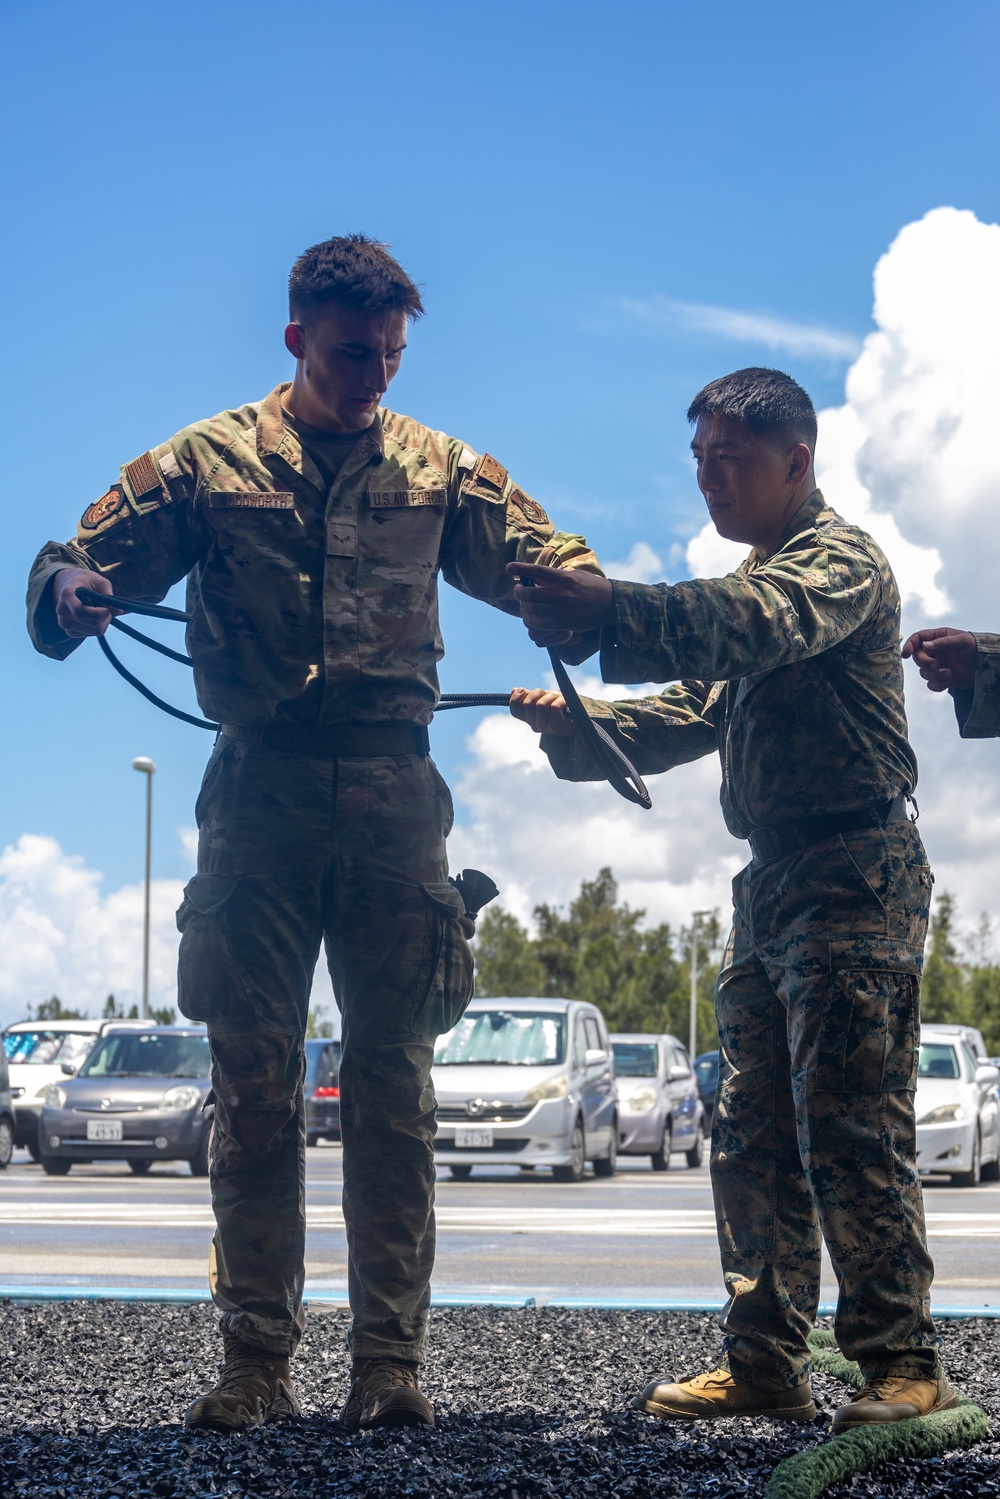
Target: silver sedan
[{"x": 659, "y": 1110}]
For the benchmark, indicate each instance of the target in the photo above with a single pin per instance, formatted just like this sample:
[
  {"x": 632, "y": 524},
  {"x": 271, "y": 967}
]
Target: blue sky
[{"x": 572, "y": 184}]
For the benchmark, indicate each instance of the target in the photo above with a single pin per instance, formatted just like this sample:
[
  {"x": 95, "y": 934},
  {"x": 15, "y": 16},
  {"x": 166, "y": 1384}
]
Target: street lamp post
[
  {"x": 146, "y": 766},
  {"x": 696, "y": 919}
]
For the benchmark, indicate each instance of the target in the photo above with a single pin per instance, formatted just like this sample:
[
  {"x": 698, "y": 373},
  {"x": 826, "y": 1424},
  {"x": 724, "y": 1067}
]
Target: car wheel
[
  {"x": 974, "y": 1175},
  {"x": 139, "y": 1167},
  {"x": 606, "y": 1165},
  {"x": 54, "y": 1165},
  {"x": 199, "y": 1161},
  {"x": 696, "y": 1154},
  {"x": 578, "y": 1158},
  {"x": 460, "y": 1173},
  {"x": 660, "y": 1159},
  {"x": 990, "y": 1171},
  {"x": 6, "y": 1142}
]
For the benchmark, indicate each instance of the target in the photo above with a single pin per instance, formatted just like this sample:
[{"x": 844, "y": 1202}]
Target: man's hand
[
  {"x": 946, "y": 658},
  {"x": 563, "y": 602},
  {"x": 74, "y": 618},
  {"x": 542, "y": 710}
]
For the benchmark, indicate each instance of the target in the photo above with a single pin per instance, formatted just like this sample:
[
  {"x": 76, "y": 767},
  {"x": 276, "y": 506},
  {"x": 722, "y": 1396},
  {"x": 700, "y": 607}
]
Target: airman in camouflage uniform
[
  {"x": 312, "y": 559},
  {"x": 968, "y": 666},
  {"x": 790, "y": 669}
]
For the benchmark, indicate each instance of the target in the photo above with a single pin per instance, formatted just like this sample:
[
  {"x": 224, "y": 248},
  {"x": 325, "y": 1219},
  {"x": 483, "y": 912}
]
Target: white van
[
  {"x": 39, "y": 1053},
  {"x": 527, "y": 1082}
]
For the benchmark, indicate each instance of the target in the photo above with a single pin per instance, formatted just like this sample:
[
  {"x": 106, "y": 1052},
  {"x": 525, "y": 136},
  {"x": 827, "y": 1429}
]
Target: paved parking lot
[{"x": 639, "y": 1234}]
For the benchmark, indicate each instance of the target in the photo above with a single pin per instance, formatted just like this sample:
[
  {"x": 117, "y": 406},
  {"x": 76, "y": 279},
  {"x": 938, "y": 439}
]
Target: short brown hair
[
  {"x": 771, "y": 403},
  {"x": 350, "y": 271}
]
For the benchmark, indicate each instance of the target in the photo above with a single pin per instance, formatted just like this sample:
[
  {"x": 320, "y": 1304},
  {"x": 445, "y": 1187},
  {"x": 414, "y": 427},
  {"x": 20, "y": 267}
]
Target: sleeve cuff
[
  {"x": 642, "y": 645},
  {"x": 982, "y": 720}
]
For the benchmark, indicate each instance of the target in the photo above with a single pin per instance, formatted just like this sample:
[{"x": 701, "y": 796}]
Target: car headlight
[
  {"x": 945, "y": 1113},
  {"x": 556, "y": 1087},
  {"x": 177, "y": 1099},
  {"x": 54, "y": 1096},
  {"x": 639, "y": 1101}
]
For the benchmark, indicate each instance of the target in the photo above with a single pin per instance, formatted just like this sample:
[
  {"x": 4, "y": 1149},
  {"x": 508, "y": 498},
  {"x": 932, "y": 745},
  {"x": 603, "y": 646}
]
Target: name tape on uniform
[
  {"x": 249, "y": 499},
  {"x": 392, "y": 499}
]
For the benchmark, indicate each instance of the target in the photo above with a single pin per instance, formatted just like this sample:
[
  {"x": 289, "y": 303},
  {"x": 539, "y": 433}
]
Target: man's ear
[
  {"x": 295, "y": 341},
  {"x": 799, "y": 461}
]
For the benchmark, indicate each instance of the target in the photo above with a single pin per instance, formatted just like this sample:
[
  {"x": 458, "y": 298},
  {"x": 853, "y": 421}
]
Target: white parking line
[{"x": 621, "y": 1223}]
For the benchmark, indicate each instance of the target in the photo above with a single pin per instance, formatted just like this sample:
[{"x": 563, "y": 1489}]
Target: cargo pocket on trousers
[
  {"x": 451, "y": 967},
  {"x": 211, "y": 984},
  {"x": 868, "y": 1033}
]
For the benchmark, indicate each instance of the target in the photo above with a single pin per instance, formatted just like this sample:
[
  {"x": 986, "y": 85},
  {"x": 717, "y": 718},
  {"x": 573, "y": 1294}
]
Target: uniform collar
[
  {"x": 275, "y": 439},
  {"x": 806, "y": 516}
]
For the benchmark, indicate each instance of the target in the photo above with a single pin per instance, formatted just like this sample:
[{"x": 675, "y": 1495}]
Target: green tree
[
  {"x": 54, "y": 1009},
  {"x": 112, "y": 1011},
  {"x": 319, "y": 1024},
  {"x": 944, "y": 996},
  {"x": 599, "y": 950}
]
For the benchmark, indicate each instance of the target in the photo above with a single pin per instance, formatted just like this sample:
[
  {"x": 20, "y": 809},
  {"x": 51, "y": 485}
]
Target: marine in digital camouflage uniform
[
  {"x": 968, "y": 666},
  {"x": 312, "y": 559},
  {"x": 790, "y": 669}
]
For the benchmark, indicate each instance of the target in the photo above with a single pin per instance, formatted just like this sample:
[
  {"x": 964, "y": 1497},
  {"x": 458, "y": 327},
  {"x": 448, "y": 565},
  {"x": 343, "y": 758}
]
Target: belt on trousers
[
  {"x": 788, "y": 837},
  {"x": 337, "y": 740}
]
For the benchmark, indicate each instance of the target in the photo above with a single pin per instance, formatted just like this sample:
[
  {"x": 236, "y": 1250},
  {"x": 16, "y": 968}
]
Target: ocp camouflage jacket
[
  {"x": 792, "y": 672},
  {"x": 308, "y": 605}
]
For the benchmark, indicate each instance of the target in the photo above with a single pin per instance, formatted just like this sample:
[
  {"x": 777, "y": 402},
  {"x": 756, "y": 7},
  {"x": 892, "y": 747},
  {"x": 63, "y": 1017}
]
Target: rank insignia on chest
[
  {"x": 249, "y": 499},
  {"x": 103, "y": 509}
]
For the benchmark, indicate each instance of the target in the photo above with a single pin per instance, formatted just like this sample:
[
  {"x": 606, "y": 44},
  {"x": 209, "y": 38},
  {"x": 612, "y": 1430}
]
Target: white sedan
[{"x": 958, "y": 1110}]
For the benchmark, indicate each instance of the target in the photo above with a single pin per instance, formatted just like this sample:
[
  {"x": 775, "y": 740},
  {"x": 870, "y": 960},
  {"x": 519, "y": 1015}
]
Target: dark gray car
[
  {"x": 322, "y": 1090},
  {"x": 139, "y": 1097}
]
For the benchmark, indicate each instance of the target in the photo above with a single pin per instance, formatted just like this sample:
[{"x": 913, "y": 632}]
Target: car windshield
[
  {"x": 706, "y": 1070},
  {"x": 937, "y": 1059},
  {"x": 142, "y": 1054},
  {"x": 503, "y": 1038},
  {"x": 634, "y": 1058},
  {"x": 43, "y": 1048}
]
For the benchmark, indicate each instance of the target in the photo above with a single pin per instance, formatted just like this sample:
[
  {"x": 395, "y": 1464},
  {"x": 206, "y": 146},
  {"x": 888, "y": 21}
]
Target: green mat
[{"x": 866, "y": 1447}]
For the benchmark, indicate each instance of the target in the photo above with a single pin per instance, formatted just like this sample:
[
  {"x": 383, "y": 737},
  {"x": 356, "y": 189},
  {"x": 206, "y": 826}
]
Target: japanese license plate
[
  {"x": 104, "y": 1129},
  {"x": 474, "y": 1139}
]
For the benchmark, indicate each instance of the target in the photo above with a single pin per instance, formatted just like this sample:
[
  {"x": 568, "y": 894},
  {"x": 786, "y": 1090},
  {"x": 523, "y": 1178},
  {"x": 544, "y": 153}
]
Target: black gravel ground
[{"x": 530, "y": 1402}]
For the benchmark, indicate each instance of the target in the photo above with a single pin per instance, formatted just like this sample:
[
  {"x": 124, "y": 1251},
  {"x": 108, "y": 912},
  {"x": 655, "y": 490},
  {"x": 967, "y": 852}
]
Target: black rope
[{"x": 613, "y": 761}]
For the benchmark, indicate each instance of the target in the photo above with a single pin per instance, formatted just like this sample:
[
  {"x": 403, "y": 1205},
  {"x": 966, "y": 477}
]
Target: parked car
[
  {"x": 659, "y": 1110},
  {"x": 706, "y": 1070},
  {"x": 957, "y": 1108},
  {"x": 967, "y": 1033},
  {"x": 527, "y": 1082},
  {"x": 6, "y": 1114},
  {"x": 322, "y": 1090},
  {"x": 42, "y": 1052},
  {"x": 139, "y": 1097}
]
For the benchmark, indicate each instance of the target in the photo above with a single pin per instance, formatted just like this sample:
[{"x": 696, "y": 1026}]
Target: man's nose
[
  {"x": 377, "y": 374},
  {"x": 709, "y": 478}
]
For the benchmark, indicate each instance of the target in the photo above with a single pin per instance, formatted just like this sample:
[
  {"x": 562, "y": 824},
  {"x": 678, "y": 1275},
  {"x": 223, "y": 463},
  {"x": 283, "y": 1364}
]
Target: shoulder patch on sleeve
[
  {"x": 141, "y": 476},
  {"x": 531, "y": 512},
  {"x": 493, "y": 472},
  {"x": 102, "y": 510}
]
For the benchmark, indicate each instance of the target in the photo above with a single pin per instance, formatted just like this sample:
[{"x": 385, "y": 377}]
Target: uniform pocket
[
  {"x": 211, "y": 983},
  {"x": 868, "y": 1034},
  {"x": 451, "y": 970}
]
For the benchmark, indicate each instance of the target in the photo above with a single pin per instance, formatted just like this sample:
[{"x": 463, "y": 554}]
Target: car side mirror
[
  {"x": 987, "y": 1076},
  {"x": 67, "y": 1069},
  {"x": 594, "y": 1056},
  {"x": 676, "y": 1073}
]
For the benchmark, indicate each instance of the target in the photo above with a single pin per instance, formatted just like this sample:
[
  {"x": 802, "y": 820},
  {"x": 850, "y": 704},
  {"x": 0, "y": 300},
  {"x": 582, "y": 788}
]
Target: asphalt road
[{"x": 639, "y": 1234}]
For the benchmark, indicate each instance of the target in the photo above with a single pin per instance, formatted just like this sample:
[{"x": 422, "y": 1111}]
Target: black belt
[
  {"x": 788, "y": 837},
  {"x": 337, "y": 740}
]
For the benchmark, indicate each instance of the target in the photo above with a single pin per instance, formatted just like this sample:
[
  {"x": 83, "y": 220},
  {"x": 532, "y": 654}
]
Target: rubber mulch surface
[{"x": 530, "y": 1402}]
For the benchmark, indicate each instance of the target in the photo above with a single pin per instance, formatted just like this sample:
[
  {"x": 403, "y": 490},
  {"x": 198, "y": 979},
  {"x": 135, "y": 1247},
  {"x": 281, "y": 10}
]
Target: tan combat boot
[
  {"x": 384, "y": 1392},
  {"x": 706, "y": 1397},
  {"x": 254, "y": 1387},
  {"x": 894, "y": 1397}
]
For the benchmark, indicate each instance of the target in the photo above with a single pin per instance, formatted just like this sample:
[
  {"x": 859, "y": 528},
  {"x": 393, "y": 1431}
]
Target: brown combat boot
[
  {"x": 894, "y": 1397},
  {"x": 706, "y": 1397},
  {"x": 254, "y": 1387},
  {"x": 384, "y": 1392}
]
